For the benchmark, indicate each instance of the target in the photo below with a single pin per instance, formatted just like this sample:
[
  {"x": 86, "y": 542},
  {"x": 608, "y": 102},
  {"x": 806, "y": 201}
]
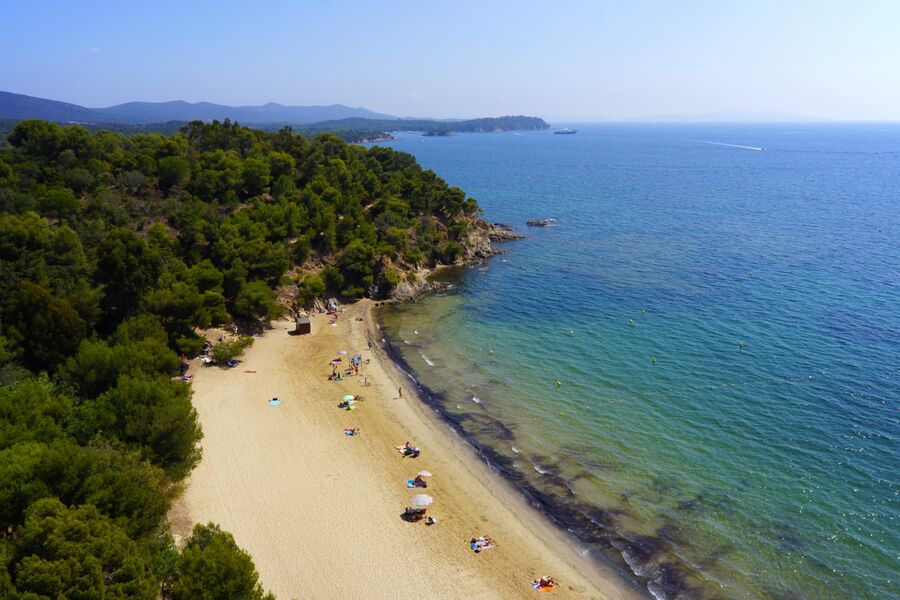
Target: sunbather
[
  {"x": 420, "y": 482},
  {"x": 481, "y": 543}
]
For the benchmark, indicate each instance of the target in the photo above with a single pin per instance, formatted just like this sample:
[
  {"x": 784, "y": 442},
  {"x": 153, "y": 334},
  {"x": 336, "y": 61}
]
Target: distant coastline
[{"x": 356, "y": 125}]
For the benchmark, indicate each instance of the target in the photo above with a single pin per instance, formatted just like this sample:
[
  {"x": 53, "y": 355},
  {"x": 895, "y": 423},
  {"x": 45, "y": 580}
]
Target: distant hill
[
  {"x": 352, "y": 124},
  {"x": 19, "y": 106},
  {"x": 483, "y": 125},
  {"x": 157, "y": 112}
]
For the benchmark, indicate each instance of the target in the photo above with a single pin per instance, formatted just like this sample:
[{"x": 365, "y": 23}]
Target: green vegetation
[
  {"x": 353, "y": 129},
  {"x": 213, "y": 567},
  {"x": 370, "y": 128},
  {"x": 114, "y": 252},
  {"x": 225, "y": 351}
]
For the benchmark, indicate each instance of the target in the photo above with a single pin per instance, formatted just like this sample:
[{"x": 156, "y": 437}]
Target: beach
[{"x": 320, "y": 511}]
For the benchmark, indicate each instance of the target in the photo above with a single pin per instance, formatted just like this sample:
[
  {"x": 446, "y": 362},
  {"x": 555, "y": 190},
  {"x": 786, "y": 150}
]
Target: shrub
[{"x": 228, "y": 350}]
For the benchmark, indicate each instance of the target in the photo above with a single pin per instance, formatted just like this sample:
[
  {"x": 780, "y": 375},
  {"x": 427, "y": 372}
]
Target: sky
[{"x": 575, "y": 60}]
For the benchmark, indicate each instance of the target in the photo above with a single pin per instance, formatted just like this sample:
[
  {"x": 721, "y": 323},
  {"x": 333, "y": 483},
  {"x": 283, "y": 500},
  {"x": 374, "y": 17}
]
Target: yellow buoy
[
  {"x": 558, "y": 383},
  {"x": 653, "y": 358}
]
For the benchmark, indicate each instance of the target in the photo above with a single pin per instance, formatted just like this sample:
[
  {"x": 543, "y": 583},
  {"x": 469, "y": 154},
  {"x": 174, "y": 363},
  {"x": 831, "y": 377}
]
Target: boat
[{"x": 565, "y": 131}]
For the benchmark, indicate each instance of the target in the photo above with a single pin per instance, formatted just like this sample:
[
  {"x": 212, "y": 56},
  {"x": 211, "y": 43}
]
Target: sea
[{"x": 695, "y": 368}]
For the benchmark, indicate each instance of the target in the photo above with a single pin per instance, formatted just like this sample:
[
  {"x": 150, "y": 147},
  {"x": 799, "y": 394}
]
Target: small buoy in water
[
  {"x": 571, "y": 332},
  {"x": 631, "y": 321},
  {"x": 653, "y": 358},
  {"x": 643, "y": 311},
  {"x": 742, "y": 344},
  {"x": 558, "y": 383}
]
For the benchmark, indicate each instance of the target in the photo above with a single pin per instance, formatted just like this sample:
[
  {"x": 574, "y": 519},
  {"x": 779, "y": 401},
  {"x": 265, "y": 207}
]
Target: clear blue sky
[{"x": 558, "y": 59}]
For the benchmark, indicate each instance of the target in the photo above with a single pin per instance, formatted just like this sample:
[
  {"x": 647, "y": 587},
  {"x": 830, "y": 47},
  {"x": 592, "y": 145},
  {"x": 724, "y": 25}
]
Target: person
[
  {"x": 420, "y": 482},
  {"x": 408, "y": 447},
  {"x": 400, "y": 392},
  {"x": 546, "y": 581}
]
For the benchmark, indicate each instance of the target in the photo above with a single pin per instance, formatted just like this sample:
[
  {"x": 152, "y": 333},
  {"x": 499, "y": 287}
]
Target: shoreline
[
  {"x": 580, "y": 524},
  {"x": 327, "y": 512},
  {"x": 489, "y": 463}
]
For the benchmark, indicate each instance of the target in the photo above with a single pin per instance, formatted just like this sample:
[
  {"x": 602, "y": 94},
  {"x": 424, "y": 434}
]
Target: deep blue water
[{"x": 724, "y": 324}]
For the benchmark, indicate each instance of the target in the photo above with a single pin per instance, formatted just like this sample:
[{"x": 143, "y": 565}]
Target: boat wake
[{"x": 755, "y": 148}]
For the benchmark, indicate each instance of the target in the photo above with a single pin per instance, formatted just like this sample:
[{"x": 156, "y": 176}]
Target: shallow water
[{"x": 724, "y": 324}]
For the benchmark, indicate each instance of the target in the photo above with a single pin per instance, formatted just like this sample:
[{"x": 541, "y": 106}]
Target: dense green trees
[
  {"x": 213, "y": 567},
  {"x": 114, "y": 251},
  {"x": 78, "y": 553}
]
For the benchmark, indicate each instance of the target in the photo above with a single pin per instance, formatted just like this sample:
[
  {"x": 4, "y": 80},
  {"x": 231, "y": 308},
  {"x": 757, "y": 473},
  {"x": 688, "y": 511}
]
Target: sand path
[{"x": 320, "y": 511}]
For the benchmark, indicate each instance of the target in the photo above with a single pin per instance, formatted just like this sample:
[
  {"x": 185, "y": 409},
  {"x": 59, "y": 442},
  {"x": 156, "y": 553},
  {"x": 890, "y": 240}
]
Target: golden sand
[{"x": 319, "y": 511}]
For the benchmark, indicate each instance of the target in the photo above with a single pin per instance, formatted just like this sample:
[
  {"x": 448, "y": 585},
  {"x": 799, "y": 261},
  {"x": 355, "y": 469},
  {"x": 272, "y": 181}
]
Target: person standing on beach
[{"x": 400, "y": 391}]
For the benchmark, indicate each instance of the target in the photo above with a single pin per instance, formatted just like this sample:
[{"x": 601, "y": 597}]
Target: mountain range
[{"x": 20, "y": 106}]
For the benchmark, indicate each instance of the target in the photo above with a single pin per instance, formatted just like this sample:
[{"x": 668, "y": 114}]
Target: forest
[{"x": 114, "y": 252}]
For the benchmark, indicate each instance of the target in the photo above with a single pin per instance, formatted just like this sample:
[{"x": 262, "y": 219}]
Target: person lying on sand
[
  {"x": 420, "y": 482},
  {"x": 481, "y": 543},
  {"x": 408, "y": 449},
  {"x": 351, "y": 430},
  {"x": 546, "y": 581}
]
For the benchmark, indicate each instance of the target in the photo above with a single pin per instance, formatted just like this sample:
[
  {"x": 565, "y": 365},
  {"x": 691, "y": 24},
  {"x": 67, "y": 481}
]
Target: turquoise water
[{"x": 724, "y": 323}]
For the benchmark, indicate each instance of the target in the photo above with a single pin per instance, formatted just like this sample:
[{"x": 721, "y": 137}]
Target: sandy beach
[{"x": 320, "y": 511}]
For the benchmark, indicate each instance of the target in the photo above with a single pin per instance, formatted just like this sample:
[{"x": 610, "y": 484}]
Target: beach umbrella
[
  {"x": 421, "y": 501},
  {"x": 424, "y": 474},
  {"x": 348, "y": 398},
  {"x": 342, "y": 352}
]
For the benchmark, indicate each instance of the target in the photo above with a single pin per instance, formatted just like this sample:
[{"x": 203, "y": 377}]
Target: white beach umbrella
[
  {"x": 421, "y": 501},
  {"x": 424, "y": 474}
]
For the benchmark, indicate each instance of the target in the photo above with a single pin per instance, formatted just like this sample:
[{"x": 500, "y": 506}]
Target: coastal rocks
[
  {"x": 540, "y": 222},
  {"x": 409, "y": 292},
  {"x": 501, "y": 232}
]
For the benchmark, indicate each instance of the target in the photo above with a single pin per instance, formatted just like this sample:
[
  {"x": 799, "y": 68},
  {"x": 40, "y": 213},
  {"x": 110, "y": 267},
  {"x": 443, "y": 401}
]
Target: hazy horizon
[{"x": 582, "y": 62}]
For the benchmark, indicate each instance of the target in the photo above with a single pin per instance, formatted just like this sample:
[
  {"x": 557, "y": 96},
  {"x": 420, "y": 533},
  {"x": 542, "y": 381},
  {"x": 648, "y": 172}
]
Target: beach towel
[
  {"x": 410, "y": 483},
  {"x": 541, "y": 588}
]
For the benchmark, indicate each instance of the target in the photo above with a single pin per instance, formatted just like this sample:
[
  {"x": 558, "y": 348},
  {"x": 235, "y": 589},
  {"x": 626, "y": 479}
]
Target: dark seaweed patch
[{"x": 590, "y": 524}]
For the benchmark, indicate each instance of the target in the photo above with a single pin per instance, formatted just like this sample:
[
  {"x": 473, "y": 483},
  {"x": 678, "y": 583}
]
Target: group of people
[
  {"x": 544, "y": 583},
  {"x": 481, "y": 543}
]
